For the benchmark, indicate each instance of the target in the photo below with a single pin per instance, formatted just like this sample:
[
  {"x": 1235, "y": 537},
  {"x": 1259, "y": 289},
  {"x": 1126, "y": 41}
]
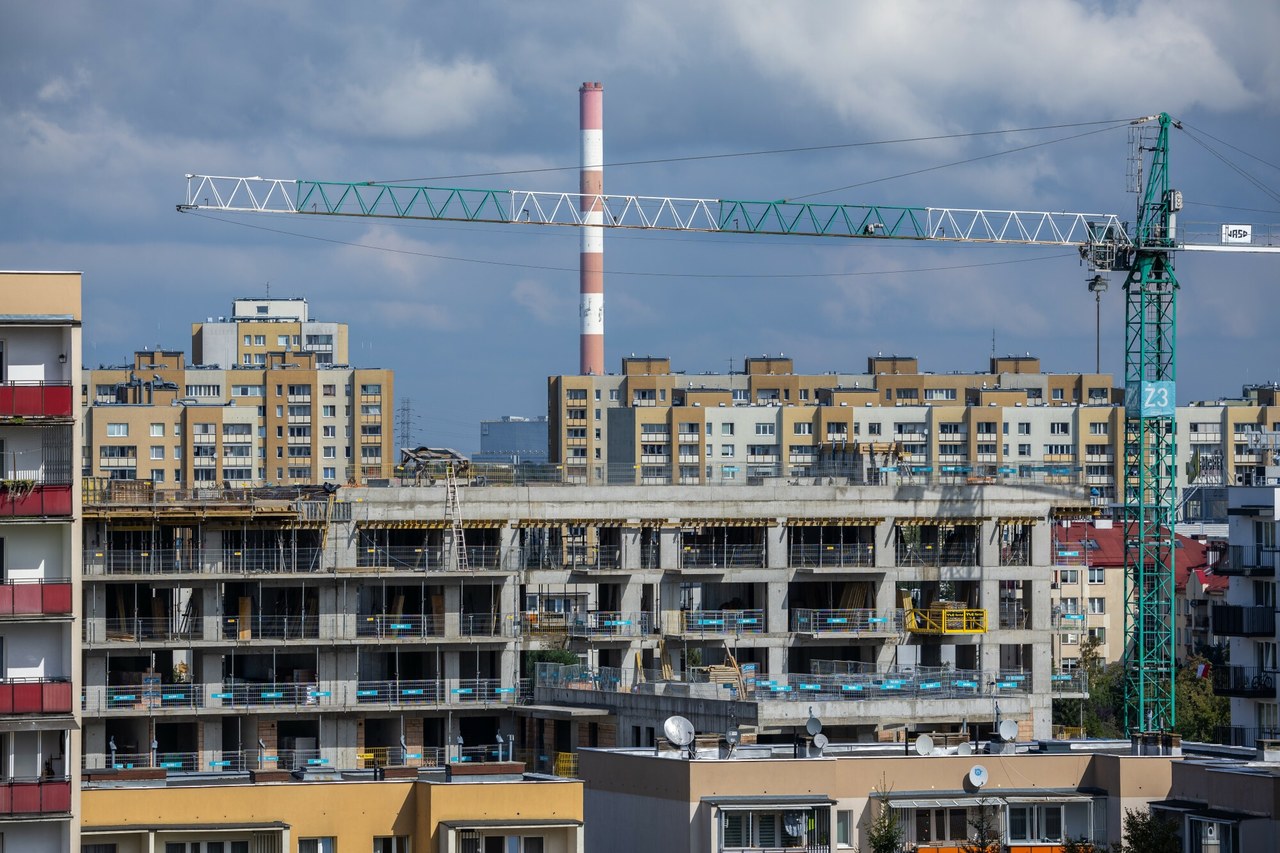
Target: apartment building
[
  {"x": 224, "y": 629},
  {"x": 258, "y": 327},
  {"x": 1035, "y": 796},
  {"x": 471, "y": 808},
  {"x": 290, "y": 419},
  {"x": 649, "y": 424},
  {"x": 40, "y": 536},
  {"x": 1248, "y": 616}
]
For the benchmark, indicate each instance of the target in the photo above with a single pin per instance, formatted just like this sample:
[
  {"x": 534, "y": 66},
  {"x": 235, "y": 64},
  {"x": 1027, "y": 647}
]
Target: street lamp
[{"x": 1097, "y": 286}]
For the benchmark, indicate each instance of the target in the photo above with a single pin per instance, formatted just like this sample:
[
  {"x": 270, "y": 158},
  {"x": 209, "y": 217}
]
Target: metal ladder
[{"x": 453, "y": 509}]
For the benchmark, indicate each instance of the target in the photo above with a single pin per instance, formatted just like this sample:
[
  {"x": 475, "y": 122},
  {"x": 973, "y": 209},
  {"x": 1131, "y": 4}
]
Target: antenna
[
  {"x": 924, "y": 745},
  {"x": 964, "y": 748},
  {"x": 678, "y": 731},
  {"x": 1008, "y": 730},
  {"x": 813, "y": 725},
  {"x": 977, "y": 776},
  {"x": 820, "y": 742}
]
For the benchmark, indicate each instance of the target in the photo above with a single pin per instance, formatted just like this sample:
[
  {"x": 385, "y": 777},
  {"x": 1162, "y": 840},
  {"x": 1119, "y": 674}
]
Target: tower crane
[{"x": 1144, "y": 251}]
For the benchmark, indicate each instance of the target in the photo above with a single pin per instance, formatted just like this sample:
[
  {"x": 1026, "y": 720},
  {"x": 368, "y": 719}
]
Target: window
[
  {"x": 1068, "y": 576},
  {"x": 260, "y": 340},
  {"x": 1097, "y": 606},
  {"x": 1058, "y": 449},
  {"x": 1096, "y": 575},
  {"x": 282, "y": 340},
  {"x": 987, "y": 448},
  {"x": 315, "y": 845},
  {"x": 939, "y": 393},
  {"x": 1060, "y": 428},
  {"x": 117, "y": 430},
  {"x": 157, "y": 430},
  {"x": 248, "y": 390},
  {"x": 1099, "y": 634},
  {"x": 392, "y": 844},
  {"x": 873, "y": 429},
  {"x": 844, "y": 828},
  {"x": 802, "y": 429},
  {"x": 330, "y": 452},
  {"x": 1098, "y": 429},
  {"x": 1035, "y": 823},
  {"x": 987, "y": 428},
  {"x": 726, "y": 429},
  {"x": 1024, "y": 450},
  {"x": 740, "y": 395},
  {"x": 1024, "y": 428},
  {"x": 1057, "y": 394},
  {"x": 330, "y": 473},
  {"x": 951, "y": 429},
  {"x": 764, "y": 429},
  {"x": 247, "y": 340},
  {"x": 204, "y": 391},
  {"x": 371, "y": 390},
  {"x": 329, "y": 432},
  {"x": 157, "y": 451},
  {"x": 726, "y": 450}
]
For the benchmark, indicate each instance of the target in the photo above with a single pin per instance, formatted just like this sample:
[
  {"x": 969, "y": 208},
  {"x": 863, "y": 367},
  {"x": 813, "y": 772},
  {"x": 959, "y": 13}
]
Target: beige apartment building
[
  {"x": 258, "y": 327},
  {"x": 282, "y": 415}
]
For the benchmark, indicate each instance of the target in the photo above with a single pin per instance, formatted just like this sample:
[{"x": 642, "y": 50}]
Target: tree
[
  {"x": 1200, "y": 710},
  {"x": 984, "y": 830},
  {"x": 1102, "y": 713},
  {"x": 885, "y": 833},
  {"x": 1148, "y": 832},
  {"x": 1077, "y": 845}
]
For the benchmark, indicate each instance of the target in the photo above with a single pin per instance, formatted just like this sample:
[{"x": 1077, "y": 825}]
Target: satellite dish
[
  {"x": 820, "y": 741},
  {"x": 924, "y": 745},
  {"x": 964, "y": 748},
  {"x": 732, "y": 736},
  {"x": 1009, "y": 730},
  {"x": 678, "y": 731},
  {"x": 813, "y": 727},
  {"x": 977, "y": 776}
]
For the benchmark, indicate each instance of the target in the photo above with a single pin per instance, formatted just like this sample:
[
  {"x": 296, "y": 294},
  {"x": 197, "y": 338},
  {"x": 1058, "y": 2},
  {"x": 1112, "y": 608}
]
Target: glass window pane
[
  {"x": 1018, "y": 823},
  {"x": 959, "y": 824},
  {"x": 924, "y": 831},
  {"x": 1052, "y": 823}
]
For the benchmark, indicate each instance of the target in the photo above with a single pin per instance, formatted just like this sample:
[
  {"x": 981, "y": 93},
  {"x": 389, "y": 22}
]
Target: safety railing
[
  {"x": 1234, "y": 620},
  {"x": 486, "y": 625},
  {"x": 35, "y": 696},
  {"x": 248, "y": 694},
  {"x": 926, "y": 555},
  {"x": 395, "y": 756},
  {"x": 589, "y": 558},
  {"x": 35, "y": 598},
  {"x": 1075, "y": 682},
  {"x": 401, "y": 626},
  {"x": 722, "y": 557},
  {"x": 842, "y": 556},
  {"x": 722, "y": 622},
  {"x": 946, "y": 620},
  {"x": 410, "y": 558},
  {"x": 236, "y": 561},
  {"x": 1249, "y": 561},
  {"x": 436, "y": 692},
  {"x": 1248, "y": 682},
  {"x": 270, "y": 628},
  {"x": 1014, "y": 616},
  {"x": 150, "y": 695},
  {"x": 859, "y": 621},
  {"x": 1245, "y": 735},
  {"x": 1067, "y": 622},
  {"x": 141, "y": 629},
  {"x": 602, "y": 624},
  {"x": 1016, "y": 553}
]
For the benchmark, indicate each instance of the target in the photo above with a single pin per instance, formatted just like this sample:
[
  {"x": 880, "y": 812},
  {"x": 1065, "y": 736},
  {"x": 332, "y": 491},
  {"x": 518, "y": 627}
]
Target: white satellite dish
[
  {"x": 977, "y": 775},
  {"x": 924, "y": 745},
  {"x": 1009, "y": 730},
  {"x": 965, "y": 748},
  {"x": 813, "y": 726},
  {"x": 679, "y": 731},
  {"x": 820, "y": 742}
]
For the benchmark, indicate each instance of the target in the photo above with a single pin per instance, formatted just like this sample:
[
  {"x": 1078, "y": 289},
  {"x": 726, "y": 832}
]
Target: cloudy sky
[{"x": 105, "y": 106}]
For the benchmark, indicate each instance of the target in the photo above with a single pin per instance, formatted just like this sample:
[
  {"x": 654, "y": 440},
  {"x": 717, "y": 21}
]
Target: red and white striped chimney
[{"x": 591, "y": 261}]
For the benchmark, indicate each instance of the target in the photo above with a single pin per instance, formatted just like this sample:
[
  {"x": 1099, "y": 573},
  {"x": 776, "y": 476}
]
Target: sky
[{"x": 104, "y": 107}]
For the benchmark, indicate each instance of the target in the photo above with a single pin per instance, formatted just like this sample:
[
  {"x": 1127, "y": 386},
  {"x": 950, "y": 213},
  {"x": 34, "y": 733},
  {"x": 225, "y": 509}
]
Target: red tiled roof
[{"x": 1109, "y": 553}]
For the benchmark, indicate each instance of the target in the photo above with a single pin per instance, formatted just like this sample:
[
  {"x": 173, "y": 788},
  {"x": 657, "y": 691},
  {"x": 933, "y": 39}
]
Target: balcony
[
  {"x": 149, "y": 696},
  {"x": 926, "y": 554},
  {"x": 35, "y": 598},
  {"x": 1249, "y": 561},
  {"x": 241, "y": 561},
  {"x": 271, "y": 628},
  {"x": 722, "y": 557},
  {"x": 1233, "y": 620},
  {"x": 399, "y": 626},
  {"x": 405, "y": 558},
  {"x": 141, "y": 629},
  {"x": 35, "y": 696},
  {"x": 947, "y": 621},
  {"x": 1071, "y": 623},
  {"x": 22, "y": 499},
  {"x": 486, "y": 625},
  {"x": 1244, "y": 735},
  {"x": 838, "y": 556},
  {"x": 435, "y": 692},
  {"x": 32, "y": 797},
  {"x": 859, "y": 621},
  {"x": 1245, "y": 682},
  {"x": 1014, "y": 616},
  {"x": 35, "y": 399},
  {"x": 702, "y": 622}
]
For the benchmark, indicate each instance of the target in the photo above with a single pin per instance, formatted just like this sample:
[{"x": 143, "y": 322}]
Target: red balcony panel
[
  {"x": 35, "y": 696},
  {"x": 35, "y": 399},
  {"x": 55, "y": 598},
  {"x": 35, "y": 796},
  {"x": 55, "y": 796},
  {"x": 26, "y": 598},
  {"x": 43, "y": 500}
]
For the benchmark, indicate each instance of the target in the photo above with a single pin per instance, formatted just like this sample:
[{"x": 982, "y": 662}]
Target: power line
[
  {"x": 548, "y": 268},
  {"x": 761, "y": 153},
  {"x": 1275, "y": 196}
]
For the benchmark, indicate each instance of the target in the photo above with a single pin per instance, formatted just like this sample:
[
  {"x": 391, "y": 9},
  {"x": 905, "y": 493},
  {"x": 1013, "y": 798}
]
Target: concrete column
[
  {"x": 776, "y": 658},
  {"x": 211, "y": 607},
  {"x": 452, "y": 610},
  {"x": 95, "y": 615},
  {"x": 341, "y": 546},
  {"x": 886, "y": 605},
  {"x": 630, "y": 553},
  {"x": 211, "y": 742},
  {"x": 776, "y": 541},
  {"x": 331, "y": 616},
  {"x": 989, "y": 543},
  {"x": 885, "y": 548},
  {"x": 776, "y": 610},
  {"x": 1042, "y": 544},
  {"x": 509, "y": 549},
  {"x": 339, "y": 741},
  {"x": 509, "y": 607},
  {"x": 212, "y": 553},
  {"x": 669, "y": 606},
  {"x": 669, "y": 550}
]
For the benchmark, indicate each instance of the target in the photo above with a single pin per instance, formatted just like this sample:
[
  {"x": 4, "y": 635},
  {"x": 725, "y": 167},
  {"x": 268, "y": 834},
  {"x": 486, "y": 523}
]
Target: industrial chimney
[{"x": 591, "y": 260}]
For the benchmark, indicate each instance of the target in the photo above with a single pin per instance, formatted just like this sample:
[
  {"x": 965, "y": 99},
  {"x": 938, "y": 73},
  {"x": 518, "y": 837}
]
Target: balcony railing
[
  {"x": 722, "y": 622},
  {"x": 35, "y": 696},
  {"x": 39, "y": 500},
  {"x": 1062, "y": 683},
  {"x": 35, "y": 598},
  {"x": 1072, "y": 623},
  {"x": 22, "y": 797},
  {"x": 1249, "y": 561},
  {"x": 860, "y": 621},
  {"x": 602, "y": 624},
  {"x": 1244, "y": 682},
  {"x": 1016, "y": 554},
  {"x": 399, "y": 626},
  {"x": 486, "y": 625},
  {"x": 436, "y": 692},
  {"x": 947, "y": 620},
  {"x": 1233, "y": 620},
  {"x": 841, "y": 556},
  {"x": 1244, "y": 735},
  {"x": 722, "y": 557},
  {"x": 920, "y": 555},
  {"x": 146, "y": 696},
  {"x": 271, "y": 628},
  {"x": 1014, "y": 616},
  {"x": 246, "y": 694},
  {"x": 36, "y": 399},
  {"x": 240, "y": 561},
  {"x": 142, "y": 629},
  {"x": 587, "y": 558},
  {"x": 412, "y": 558}
]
